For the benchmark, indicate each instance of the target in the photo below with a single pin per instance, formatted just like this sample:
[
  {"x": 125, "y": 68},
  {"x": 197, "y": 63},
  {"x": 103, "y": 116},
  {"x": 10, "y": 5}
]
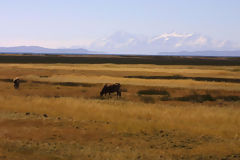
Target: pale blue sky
[{"x": 58, "y": 23}]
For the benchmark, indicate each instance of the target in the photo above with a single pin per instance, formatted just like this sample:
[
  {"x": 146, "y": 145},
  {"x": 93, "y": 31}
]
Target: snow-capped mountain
[
  {"x": 120, "y": 42},
  {"x": 125, "y": 43}
]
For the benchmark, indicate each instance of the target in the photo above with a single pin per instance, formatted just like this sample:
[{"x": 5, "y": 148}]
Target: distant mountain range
[
  {"x": 42, "y": 50},
  {"x": 204, "y": 53},
  {"x": 127, "y": 43},
  {"x": 37, "y": 49},
  {"x": 124, "y": 43}
]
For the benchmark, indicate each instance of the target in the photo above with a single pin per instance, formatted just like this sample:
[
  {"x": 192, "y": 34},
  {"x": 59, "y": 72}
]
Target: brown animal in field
[
  {"x": 110, "y": 89},
  {"x": 16, "y": 82}
]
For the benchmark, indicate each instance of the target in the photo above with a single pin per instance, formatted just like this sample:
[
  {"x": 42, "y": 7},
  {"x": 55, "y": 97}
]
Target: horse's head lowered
[{"x": 104, "y": 90}]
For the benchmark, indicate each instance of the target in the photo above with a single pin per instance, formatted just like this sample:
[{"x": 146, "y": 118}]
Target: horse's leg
[
  {"x": 118, "y": 94},
  {"x": 16, "y": 86}
]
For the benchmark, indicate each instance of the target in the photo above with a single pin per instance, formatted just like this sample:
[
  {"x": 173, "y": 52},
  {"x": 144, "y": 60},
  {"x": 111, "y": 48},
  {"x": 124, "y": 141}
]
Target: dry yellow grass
[
  {"x": 134, "y": 117},
  {"x": 210, "y": 71},
  {"x": 111, "y": 73},
  {"x": 80, "y": 125}
]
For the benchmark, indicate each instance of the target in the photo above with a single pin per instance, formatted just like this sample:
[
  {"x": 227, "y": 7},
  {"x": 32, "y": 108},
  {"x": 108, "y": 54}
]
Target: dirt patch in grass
[{"x": 74, "y": 84}]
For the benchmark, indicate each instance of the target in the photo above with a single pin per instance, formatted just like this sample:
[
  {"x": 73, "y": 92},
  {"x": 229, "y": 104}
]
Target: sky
[{"x": 69, "y": 23}]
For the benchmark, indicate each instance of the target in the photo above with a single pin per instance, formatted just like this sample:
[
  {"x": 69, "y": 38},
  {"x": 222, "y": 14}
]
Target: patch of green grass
[
  {"x": 197, "y": 98},
  {"x": 179, "y": 77},
  {"x": 6, "y": 80},
  {"x": 43, "y": 76},
  {"x": 153, "y": 92},
  {"x": 207, "y": 97},
  {"x": 235, "y": 70},
  {"x": 101, "y": 59},
  {"x": 165, "y": 98},
  {"x": 72, "y": 84},
  {"x": 230, "y": 98}
]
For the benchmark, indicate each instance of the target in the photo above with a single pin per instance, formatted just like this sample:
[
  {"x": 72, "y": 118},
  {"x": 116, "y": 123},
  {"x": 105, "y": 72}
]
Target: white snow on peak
[
  {"x": 167, "y": 36},
  {"x": 123, "y": 42}
]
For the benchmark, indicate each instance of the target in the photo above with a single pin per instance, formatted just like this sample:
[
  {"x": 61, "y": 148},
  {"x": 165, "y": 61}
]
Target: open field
[{"x": 173, "y": 111}]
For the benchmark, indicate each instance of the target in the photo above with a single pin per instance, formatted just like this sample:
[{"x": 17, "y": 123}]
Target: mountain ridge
[
  {"x": 39, "y": 49},
  {"x": 43, "y": 50},
  {"x": 124, "y": 42}
]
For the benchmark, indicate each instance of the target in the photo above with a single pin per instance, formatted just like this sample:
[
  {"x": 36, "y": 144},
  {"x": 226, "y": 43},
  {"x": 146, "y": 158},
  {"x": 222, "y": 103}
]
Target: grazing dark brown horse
[
  {"x": 110, "y": 89},
  {"x": 16, "y": 82}
]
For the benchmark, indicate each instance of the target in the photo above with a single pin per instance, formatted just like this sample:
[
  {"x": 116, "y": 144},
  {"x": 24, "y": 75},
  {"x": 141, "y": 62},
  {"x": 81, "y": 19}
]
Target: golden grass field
[{"x": 188, "y": 119}]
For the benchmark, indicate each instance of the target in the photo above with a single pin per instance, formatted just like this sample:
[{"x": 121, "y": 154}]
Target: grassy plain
[{"x": 154, "y": 118}]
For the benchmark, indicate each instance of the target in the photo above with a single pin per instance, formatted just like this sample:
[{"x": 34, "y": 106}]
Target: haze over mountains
[{"x": 125, "y": 43}]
